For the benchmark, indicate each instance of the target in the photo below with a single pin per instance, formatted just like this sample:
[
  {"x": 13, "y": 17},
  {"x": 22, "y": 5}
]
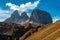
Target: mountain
[
  {"x": 37, "y": 17},
  {"x": 24, "y": 17},
  {"x": 40, "y": 17},
  {"x": 15, "y": 17}
]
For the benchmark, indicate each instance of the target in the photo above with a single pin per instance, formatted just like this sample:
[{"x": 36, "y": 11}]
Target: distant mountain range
[{"x": 37, "y": 17}]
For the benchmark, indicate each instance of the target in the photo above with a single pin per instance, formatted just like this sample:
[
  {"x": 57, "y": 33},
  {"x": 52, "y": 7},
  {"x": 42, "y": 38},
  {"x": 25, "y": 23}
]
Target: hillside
[
  {"x": 28, "y": 31},
  {"x": 49, "y": 32}
]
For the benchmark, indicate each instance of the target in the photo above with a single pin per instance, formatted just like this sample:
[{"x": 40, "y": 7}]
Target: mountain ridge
[
  {"x": 16, "y": 18},
  {"x": 37, "y": 17}
]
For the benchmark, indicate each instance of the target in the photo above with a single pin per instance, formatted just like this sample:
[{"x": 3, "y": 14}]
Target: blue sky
[{"x": 8, "y": 6}]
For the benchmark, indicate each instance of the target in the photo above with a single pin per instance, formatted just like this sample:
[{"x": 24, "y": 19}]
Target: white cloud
[
  {"x": 4, "y": 11},
  {"x": 56, "y": 19},
  {"x": 4, "y": 14},
  {"x": 23, "y": 7}
]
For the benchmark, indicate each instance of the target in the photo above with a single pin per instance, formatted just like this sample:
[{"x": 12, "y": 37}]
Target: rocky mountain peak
[
  {"x": 14, "y": 17},
  {"x": 40, "y": 17},
  {"x": 37, "y": 17},
  {"x": 23, "y": 14},
  {"x": 15, "y": 14},
  {"x": 24, "y": 17}
]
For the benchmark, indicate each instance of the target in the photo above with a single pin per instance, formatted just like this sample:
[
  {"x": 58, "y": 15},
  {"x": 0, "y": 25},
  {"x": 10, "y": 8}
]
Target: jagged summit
[
  {"x": 24, "y": 18},
  {"x": 15, "y": 14},
  {"x": 16, "y": 18},
  {"x": 24, "y": 15}
]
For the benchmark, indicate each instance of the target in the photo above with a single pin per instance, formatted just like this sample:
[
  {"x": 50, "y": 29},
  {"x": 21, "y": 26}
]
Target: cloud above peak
[{"x": 23, "y": 7}]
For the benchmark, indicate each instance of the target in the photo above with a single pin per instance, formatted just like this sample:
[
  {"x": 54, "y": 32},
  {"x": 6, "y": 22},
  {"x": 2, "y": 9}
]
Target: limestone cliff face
[{"x": 40, "y": 17}]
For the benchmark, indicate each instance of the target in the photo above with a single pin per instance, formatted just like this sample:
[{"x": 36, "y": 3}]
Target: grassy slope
[{"x": 47, "y": 33}]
